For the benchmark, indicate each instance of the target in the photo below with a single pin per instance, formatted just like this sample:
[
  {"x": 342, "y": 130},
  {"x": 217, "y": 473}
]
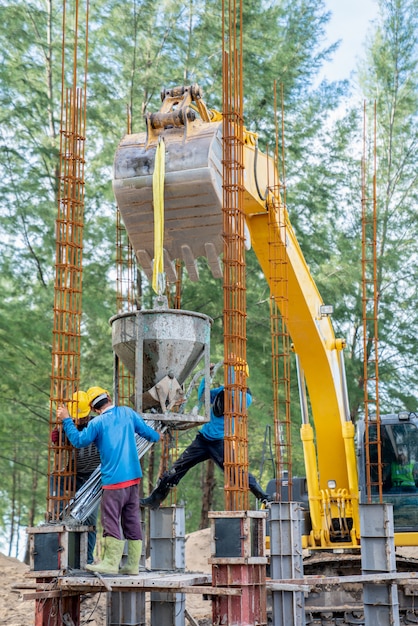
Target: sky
[{"x": 349, "y": 22}]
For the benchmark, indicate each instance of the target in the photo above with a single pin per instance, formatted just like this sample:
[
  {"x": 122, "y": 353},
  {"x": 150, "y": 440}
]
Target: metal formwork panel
[
  {"x": 286, "y": 561},
  {"x": 377, "y": 538},
  {"x": 239, "y": 562},
  {"x": 167, "y": 538},
  {"x": 126, "y": 608},
  {"x": 167, "y": 546},
  {"x": 381, "y": 604},
  {"x": 229, "y": 575},
  {"x": 167, "y": 554},
  {"x": 238, "y": 535},
  {"x": 250, "y": 607},
  {"x": 168, "y": 609},
  {"x": 53, "y": 611},
  {"x": 228, "y": 533},
  {"x": 57, "y": 548},
  {"x": 167, "y": 522}
]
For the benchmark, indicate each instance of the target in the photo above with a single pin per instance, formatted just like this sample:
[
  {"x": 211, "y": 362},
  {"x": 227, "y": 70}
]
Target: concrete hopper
[{"x": 159, "y": 344}]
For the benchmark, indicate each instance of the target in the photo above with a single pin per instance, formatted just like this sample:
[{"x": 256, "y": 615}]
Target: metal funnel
[{"x": 171, "y": 341}]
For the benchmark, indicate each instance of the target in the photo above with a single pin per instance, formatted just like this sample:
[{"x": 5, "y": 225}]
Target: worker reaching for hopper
[
  {"x": 208, "y": 444},
  {"x": 113, "y": 432}
]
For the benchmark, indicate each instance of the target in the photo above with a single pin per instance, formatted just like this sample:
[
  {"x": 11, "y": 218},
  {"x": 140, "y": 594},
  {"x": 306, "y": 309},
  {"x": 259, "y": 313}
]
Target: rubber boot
[
  {"x": 131, "y": 566},
  {"x": 113, "y": 550},
  {"x": 157, "y": 496},
  {"x": 260, "y": 494}
]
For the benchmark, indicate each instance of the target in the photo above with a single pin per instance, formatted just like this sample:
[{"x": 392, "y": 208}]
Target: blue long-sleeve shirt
[
  {"x": 215, "y": 428},
  {"x": 113, "y": 432}
]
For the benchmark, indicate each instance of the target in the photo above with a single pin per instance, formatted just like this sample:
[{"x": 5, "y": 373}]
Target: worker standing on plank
[{"x": 113, "y": 432}]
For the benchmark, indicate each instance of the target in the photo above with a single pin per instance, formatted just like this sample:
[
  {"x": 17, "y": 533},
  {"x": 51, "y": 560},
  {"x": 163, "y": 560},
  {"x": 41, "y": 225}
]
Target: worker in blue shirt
[
  {"x": 208, "y": 444},
  {"x": 113, "y": 432}
]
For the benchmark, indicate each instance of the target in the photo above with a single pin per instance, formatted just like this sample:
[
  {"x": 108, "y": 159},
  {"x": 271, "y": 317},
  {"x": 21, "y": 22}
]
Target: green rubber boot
[
  {"x": 131, "y": 566},
  {"x": 113, "y": 550}
]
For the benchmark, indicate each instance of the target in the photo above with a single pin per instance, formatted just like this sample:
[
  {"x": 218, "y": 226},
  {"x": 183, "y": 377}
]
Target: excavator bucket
[
  {"x": 192, "y": 185},
  {"x": 192, "y": 189}
]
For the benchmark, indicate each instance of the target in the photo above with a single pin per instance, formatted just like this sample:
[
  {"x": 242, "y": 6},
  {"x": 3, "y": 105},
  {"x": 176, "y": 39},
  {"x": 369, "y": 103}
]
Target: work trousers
[
  {"x": 120, "y": 511},
  {"x": 202, "y": 449}
]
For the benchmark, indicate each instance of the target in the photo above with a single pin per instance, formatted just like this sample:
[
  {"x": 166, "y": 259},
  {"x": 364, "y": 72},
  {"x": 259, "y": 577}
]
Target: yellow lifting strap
[{"x": 158, "y": 199}]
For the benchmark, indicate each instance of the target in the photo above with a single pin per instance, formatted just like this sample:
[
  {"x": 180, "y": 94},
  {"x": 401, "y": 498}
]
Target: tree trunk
[
  {"x": 208, "y": 488},
  {"x": 32, "y": 509}
]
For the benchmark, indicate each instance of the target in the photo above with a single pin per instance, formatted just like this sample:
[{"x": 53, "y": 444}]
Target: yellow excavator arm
[{"x": 193, "y": 228}]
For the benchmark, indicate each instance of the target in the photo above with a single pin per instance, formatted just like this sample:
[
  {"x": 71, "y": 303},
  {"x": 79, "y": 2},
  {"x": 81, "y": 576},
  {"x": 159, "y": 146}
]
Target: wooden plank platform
[
  {"x": 144, "y": 581},
  {"x": 82, "y": 582},
  {"x": 307, "y": 583}
]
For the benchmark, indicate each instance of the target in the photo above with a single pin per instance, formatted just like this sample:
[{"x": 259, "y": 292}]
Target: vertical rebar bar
[
  {"x": 280, "y": 340},
  {"x": 370, "y": 321},
  {"x": 126, "y": 300},
  {"x": 235, "y": 371},
  {"x": 279, "y": 306},
  {"x": 68, "y": 270}
]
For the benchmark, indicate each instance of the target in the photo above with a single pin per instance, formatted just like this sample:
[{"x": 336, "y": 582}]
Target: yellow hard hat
[
  {"x": 94, "y": 394},
  {"x": 79, "y": 406},
  {"x": 243, "y": 366}
]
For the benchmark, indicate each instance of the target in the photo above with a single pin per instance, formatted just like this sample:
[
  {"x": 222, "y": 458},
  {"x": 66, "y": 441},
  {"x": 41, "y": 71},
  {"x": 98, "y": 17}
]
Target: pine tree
[{"x": 389, "y": 78}]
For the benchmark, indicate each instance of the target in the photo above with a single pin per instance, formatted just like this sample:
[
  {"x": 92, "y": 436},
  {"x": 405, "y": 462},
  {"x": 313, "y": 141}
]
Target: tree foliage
[
  {"x": 389, "y": 76},
  {"x": 136, "y": 49}
]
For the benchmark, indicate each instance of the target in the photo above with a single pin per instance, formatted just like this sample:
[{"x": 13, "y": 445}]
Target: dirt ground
[{"x": 15, "y": 611}]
